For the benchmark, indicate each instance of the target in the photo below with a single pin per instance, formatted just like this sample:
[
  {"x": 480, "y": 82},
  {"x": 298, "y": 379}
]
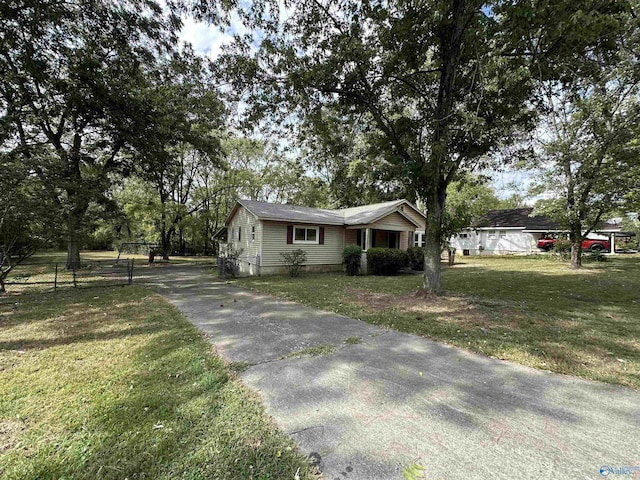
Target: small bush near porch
[{"x": 530, "y": 310}]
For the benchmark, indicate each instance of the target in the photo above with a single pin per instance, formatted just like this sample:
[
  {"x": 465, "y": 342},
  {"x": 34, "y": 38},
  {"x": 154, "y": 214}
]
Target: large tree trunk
[
  {"x": 167, "y": 235},
  {"x": 431, "y": 281},
  {"x": 164, "y": 240},
  {"x": 576, "y": 254},
  {"x": 79, "y": 204},
  {"x": 207, "y": 229},
  {"x": 575, "y": 237},
  {"x": 74, "y": 223},
  {"x": 437, "y": 175}
]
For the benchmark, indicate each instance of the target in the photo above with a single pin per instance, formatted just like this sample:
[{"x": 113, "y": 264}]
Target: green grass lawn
[
  {"x": 116, "y": 383},
  {"x": 530, "y": 310}
]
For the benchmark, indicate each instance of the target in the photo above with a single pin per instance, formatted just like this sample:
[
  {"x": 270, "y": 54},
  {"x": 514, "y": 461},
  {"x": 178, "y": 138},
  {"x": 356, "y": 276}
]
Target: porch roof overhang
[{"x": 375, "y": 223}]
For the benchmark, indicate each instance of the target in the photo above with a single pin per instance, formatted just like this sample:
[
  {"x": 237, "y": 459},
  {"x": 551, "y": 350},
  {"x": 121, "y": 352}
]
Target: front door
[{"x": 394, "y": 240}]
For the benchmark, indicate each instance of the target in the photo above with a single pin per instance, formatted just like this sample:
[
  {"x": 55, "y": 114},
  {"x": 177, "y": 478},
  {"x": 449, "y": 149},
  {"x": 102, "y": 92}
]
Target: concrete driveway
[{"x": 396, "y": 402}]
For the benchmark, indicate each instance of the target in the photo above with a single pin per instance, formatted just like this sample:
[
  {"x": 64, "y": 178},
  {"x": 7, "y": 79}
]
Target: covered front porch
[
  {"x": 392, "y": 231},
  {"x": 369, "y": 237}
]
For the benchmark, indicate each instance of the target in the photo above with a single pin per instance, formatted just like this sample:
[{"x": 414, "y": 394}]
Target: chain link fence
[{"x": 54, "y": 275}]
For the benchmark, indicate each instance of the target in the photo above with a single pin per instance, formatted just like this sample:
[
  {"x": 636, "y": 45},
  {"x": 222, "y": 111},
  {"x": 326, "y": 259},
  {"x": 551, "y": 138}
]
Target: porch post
[
  {"x": 613, "y": 242},
  {"x": 367, "y": 242}
]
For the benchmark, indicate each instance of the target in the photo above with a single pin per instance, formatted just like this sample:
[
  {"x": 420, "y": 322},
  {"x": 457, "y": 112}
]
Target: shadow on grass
[{"x": 160, "y": 405}]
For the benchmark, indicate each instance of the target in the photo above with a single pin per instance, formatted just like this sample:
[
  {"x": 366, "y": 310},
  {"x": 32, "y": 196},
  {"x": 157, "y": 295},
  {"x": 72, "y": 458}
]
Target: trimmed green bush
[
  {"x": 351, "y": 259},
  {"x": 416, "y": 258},
  {"x": 386, "y": 261}
]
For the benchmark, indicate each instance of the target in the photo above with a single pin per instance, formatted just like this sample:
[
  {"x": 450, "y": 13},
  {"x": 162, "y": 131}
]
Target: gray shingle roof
[
  {"x": 521, "y": 217},
  {"x": 292, "y": 213},
  {"x": 295, "y": 213},
  {"x": 516, "y": 217}
]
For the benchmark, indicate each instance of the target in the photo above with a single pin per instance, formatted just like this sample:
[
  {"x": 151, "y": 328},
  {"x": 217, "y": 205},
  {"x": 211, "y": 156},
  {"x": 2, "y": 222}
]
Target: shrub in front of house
[
  {"x": 416, "y": 258},
  {"x": 294, "y": 261},
  {"x": 386, "y": 261},
  {"x": 351, "y": 259}
]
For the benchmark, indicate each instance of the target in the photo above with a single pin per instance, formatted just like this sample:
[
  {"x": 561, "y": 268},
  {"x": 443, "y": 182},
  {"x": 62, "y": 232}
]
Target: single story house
[
  {"x": 515, "y": 231},
  {"x": 261, "y": 231}
]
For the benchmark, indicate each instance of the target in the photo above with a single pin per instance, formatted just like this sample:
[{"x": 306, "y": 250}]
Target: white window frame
[
  {"x": 502, "y": 234},
  {"x": 418, "y": 239},
  {"x": 492, "y": 235},
  {"x": 464, "y": 235},
  {"x": 306, "y": 242}
]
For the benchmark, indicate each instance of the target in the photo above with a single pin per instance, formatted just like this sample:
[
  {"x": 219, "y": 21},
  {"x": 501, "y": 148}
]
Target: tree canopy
[
  {"x": 85, "y": 95},
  {"x": 588, "y": 149}
]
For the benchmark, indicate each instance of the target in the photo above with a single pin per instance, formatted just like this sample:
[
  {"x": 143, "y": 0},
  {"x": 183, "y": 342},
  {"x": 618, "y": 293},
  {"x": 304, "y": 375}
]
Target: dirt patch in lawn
[
  {"x": 10, "y": 431},
  {"x": 451, "y": 309}
]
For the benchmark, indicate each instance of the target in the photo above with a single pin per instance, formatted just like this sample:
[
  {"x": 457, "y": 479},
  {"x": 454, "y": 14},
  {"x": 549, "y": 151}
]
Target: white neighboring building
[{"x": 511, "y": 231}]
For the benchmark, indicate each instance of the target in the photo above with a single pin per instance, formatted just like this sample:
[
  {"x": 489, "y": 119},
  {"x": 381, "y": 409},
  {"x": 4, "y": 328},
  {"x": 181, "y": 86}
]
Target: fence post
[
  {"x": 74, "y": 277},
  {"x": 55, "y": 279},
  {"x": 130, "y": 268}
]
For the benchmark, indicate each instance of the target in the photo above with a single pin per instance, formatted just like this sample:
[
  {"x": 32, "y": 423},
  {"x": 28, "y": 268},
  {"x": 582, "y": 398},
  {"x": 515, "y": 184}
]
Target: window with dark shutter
[
  {"x": 308, "y": 235},
  {"x": 289, "y": 234}
]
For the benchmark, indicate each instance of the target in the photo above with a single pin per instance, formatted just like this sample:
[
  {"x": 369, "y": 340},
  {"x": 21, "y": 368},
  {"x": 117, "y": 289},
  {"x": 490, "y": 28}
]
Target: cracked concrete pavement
[{"x": 373, "y": 409}]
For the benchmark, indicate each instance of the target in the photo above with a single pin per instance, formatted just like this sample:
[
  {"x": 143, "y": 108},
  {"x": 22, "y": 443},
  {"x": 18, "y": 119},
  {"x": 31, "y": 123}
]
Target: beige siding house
[{"x": 259, "y": 232}]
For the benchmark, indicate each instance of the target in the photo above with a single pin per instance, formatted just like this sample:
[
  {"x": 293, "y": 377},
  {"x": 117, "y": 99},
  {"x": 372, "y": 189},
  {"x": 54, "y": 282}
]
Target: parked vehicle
[{"x": 591, "y": 244}]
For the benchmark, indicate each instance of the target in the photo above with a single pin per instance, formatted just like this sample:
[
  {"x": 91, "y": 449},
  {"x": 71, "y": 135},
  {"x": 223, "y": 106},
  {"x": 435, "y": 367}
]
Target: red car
[{"x": 590, "y": 244}]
